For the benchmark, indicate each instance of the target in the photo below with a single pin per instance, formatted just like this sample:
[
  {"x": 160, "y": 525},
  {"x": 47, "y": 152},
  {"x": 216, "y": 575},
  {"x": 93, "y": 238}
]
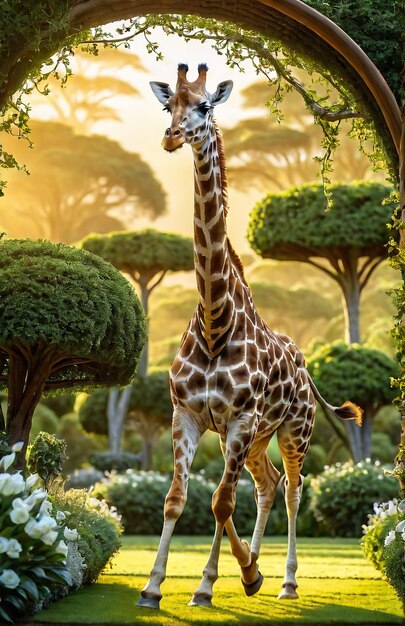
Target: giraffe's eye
[
  {"x": 166, "y": 108},
  {"x": 203, "y": 108}
]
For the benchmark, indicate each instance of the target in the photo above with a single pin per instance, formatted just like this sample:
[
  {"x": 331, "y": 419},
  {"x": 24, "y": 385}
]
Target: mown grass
[{"x": 336, "y": 586}]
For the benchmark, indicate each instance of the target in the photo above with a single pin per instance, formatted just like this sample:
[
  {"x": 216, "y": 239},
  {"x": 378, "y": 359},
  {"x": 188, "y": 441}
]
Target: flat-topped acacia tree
[
  {"x": 347, "y": 242},
  {"x": 68, "y": 320},
  {"x": 145, "y": 256}
]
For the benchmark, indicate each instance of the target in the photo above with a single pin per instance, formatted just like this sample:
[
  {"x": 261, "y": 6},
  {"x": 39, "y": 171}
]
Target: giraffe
[{"x": 232, "y": 374}]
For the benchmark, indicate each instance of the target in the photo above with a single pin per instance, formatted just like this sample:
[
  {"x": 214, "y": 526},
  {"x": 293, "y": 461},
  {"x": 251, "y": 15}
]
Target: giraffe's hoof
[
  {"x": 200, "y": 599},
  {"x": 151, "y": 602},
  {"x": 288, "y": 592},
  {"x": 252, "y": 588}
]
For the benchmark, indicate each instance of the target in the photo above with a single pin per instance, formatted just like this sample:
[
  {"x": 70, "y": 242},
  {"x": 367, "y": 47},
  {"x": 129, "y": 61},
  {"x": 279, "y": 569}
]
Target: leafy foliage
[
  {"x": 46, "y": 456},
  {"x": 295, "y": 225},
  {"x": 384, "y": 541},
  {"x": 98, "y": 527},
  {"x": 145, "y": 252},
  {"x": 342, "y": 495},
  {"x": 70, "y": 299},
  {"x": 353, "y": 371},
  {"x": 377, "y": 27}
]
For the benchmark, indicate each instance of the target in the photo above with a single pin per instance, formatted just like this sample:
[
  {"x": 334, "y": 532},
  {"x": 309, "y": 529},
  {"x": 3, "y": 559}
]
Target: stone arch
[{"x": 292, "y": 21}]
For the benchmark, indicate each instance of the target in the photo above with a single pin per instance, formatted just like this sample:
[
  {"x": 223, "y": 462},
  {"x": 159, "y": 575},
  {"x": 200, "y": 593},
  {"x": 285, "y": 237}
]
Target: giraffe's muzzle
[{"x": 173, "y": 139}]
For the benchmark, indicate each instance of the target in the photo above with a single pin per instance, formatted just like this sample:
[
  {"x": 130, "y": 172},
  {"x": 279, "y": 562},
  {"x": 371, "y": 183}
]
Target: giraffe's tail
[{"x": 348, "y": 410}]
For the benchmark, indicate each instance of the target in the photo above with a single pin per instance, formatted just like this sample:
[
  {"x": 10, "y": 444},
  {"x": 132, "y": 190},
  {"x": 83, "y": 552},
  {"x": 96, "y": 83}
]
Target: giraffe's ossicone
[{"x": 232, "y": 374}]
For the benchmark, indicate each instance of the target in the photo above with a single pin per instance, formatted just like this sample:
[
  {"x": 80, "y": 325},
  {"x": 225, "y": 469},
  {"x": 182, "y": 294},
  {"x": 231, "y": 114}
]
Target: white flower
[
  {"x": 403, "y": 535},
  {"x": 50, "y": 537},
  {"x": 62, "y": 548},
  {"x": 19, "y": 515},
  {"x": 70, "y": 534},
  {"x": 17, "y": 447},
  {"x": 32, "y": 529},
  {"x": 389, "y": 538},
  {"x": 46, "y": 507},
  {"x": 400, "y": 527},
  {"x": 7, "y": 461},
  {"x": 377, "y": 509},
  {"x": 14, "y": 549},
  {"x": 32, "y": 479},
  {"x": 3, "y": 545},
  {"x": 11, "y": 484},
  {"x": 60, "y": 516},
  {"x": 9, "y": 579},
  {"x": 401, "y": 506},
  {"x": 46, "y": 523},
  {"x": 35, "y": 497},
  {"x": 392, "y": 507}
]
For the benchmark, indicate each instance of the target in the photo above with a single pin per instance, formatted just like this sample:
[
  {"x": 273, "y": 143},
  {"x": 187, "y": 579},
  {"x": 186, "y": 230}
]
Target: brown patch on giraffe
[
  {"x": 217, "y": 261},
  {"x": 223, "y": 502},
  {"x": 217, "y": 231},
  {"x": 207, "y": 186},
  {"x": 200, "y": 235},
  {"x": 240, "y": 374}
]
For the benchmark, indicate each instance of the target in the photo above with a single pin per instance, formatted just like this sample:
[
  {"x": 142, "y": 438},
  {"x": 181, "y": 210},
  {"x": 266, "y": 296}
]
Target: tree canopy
[
  {"x": 347, "y": 242},
  {"x": 357, "y": 373},
  {"x": 77, "y": 184},
  {"x": 67, "y": 320}
]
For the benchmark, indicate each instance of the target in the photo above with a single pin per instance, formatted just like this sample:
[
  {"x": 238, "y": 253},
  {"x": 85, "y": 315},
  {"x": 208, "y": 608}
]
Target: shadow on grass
[{"x": 115, "y": 604}]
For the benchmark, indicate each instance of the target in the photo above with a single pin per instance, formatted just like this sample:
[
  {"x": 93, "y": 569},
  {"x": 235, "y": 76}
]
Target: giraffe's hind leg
[
  {"x": 266, "y": 478},
  {"x": 293, "y": 440},
  {"x": 185, "y": 440}
]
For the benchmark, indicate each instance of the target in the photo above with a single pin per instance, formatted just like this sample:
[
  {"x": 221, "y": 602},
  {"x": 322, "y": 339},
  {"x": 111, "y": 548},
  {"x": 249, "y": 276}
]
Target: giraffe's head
[{"x": 190, "y": 107}]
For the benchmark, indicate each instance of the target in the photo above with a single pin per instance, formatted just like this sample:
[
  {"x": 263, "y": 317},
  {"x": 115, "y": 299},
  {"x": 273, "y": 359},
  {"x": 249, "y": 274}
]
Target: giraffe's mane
[{"x": 236, "y": 260}]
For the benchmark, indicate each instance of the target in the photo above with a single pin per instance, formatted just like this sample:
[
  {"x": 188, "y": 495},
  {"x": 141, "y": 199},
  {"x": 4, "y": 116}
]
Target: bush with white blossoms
[
  {"x": 384, "y": 542},
  {"x": 33, "y": 549}
]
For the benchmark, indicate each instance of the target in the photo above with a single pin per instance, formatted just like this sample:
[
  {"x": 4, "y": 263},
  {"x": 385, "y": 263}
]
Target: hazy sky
[{"x": 144, "y": 123}]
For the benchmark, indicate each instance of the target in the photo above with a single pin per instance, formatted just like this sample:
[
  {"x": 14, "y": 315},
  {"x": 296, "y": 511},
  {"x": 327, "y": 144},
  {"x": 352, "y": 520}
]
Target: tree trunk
[
  {"x": 351, "y": 296},
  {"x": 366, "y": 431},
  {"x": 26, "y": 380},
  {"x": 144, "y": 360},
  {"x": 117, "y": 410},
  {"x": 147, "y": 449},
  {"x": 353, "y": 433}
]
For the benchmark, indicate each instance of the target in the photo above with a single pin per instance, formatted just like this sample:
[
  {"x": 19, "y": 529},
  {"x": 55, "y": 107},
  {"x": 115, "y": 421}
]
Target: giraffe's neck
[{"x": 211, "y": 250}]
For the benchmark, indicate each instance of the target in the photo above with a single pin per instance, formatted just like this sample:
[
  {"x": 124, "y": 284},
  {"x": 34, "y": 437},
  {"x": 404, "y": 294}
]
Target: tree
[
  {"x": 146, "y": 256},
  {"x": 274, "y": 156},
  {"x": 77, "y": 185},
  {"x": 347, "y": 242},
  {"x": 68, "y": 320},
  {"x": 149, "y": 411},
  {"x": 361, "y": 374},
  {"x": 95, "y": 81}
]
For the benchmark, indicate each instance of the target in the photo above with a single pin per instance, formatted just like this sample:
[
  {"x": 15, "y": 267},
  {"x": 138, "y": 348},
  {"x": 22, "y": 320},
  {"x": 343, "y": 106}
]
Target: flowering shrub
[
  {"x": 341, "y": 495},
  {"x": 384, "y": 542},
  {"x": 33, "y": 550},
  {"x": 98, "y": 527},
  {"x": 140, "y": 496}
]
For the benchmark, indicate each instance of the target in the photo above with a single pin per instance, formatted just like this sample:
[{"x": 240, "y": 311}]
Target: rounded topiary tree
[
  {"x": 343, "y": 371},
  {"x": 347, "y": 242},
  {"x": 146, "y": 256},
  {"x": 68, "y": 320},
  {"x": 149, "y": 411}
]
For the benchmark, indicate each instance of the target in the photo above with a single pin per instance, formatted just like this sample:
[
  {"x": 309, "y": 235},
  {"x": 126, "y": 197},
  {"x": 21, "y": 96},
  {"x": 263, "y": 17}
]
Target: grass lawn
[{"x": 336, "y": 586}]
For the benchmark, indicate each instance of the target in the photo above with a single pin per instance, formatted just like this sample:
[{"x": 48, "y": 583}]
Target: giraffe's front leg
[
  {"x": 204, "y": 593},
  {"x": 185, "y": 440}
]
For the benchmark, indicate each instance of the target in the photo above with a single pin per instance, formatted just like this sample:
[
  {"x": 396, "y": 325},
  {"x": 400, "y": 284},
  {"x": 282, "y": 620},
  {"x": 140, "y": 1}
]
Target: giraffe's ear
[
  {"x": 162, "y": 91},
  {"x": 222, "y": 93}
]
